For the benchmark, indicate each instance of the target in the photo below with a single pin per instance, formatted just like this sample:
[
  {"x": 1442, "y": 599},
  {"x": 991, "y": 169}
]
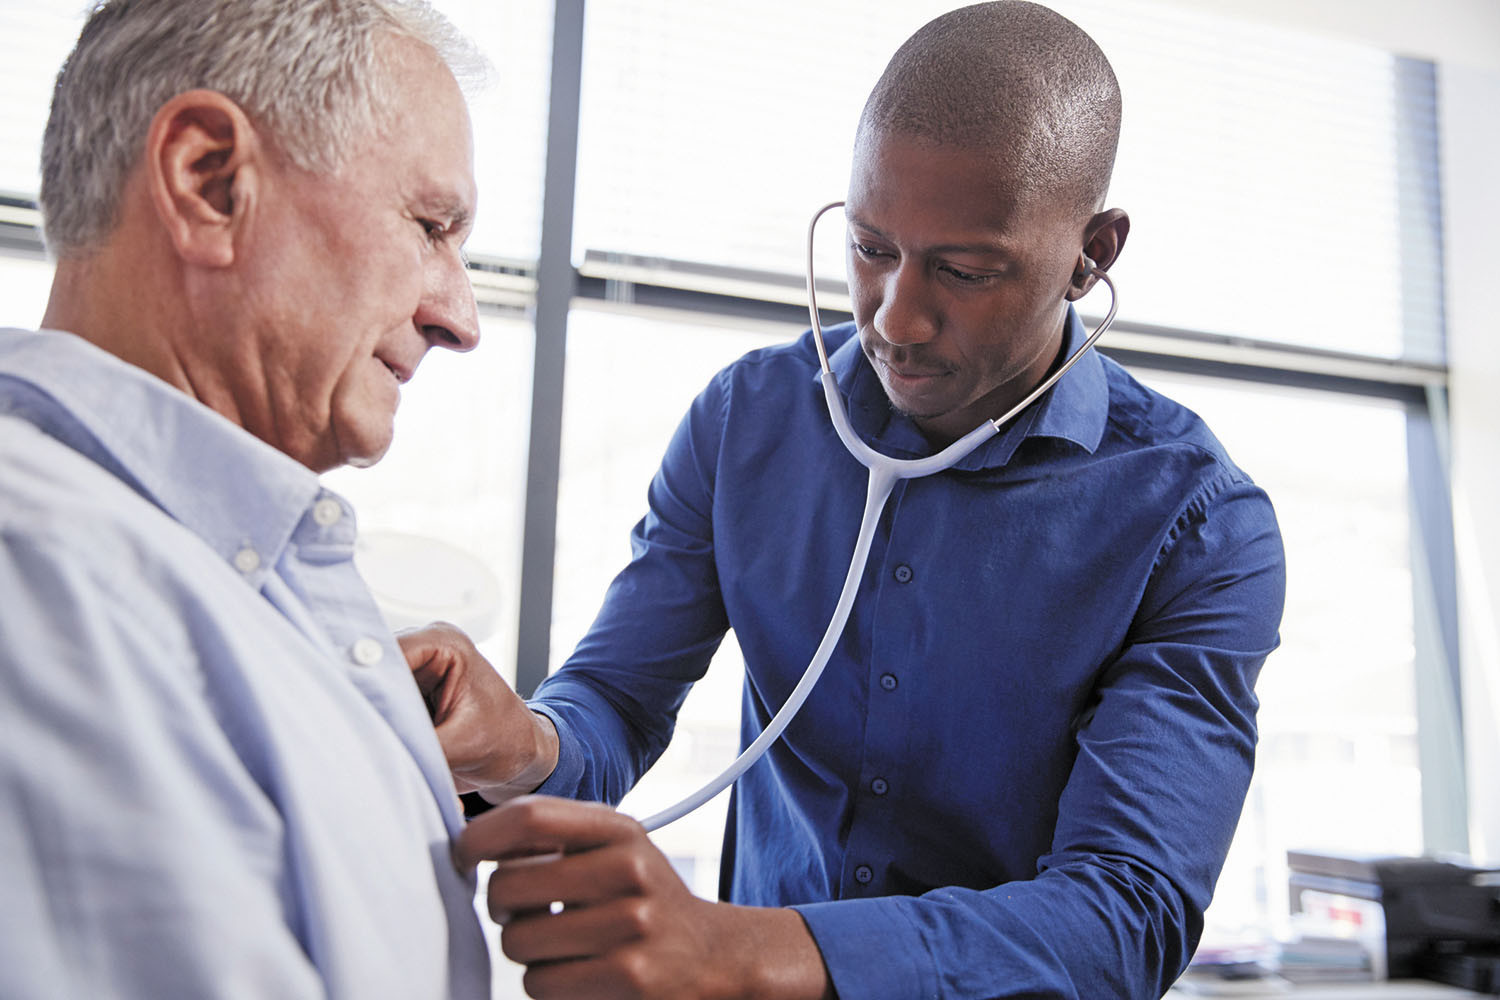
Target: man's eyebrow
[
  {"x": 855, "y": 220},
  {"x": 995, "y": 248},
  {"x": 456, "y": 212}
]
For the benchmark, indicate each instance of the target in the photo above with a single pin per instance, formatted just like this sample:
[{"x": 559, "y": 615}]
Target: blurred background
[{"x": 1309, "y": 268}]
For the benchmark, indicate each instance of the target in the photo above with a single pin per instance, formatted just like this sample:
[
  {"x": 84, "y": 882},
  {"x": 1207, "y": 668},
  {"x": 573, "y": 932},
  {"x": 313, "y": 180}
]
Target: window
[
  {"x": 1337, "y": 767},
  {"x": 24, "y": 283},
  {"x": 34, "y": 40}
]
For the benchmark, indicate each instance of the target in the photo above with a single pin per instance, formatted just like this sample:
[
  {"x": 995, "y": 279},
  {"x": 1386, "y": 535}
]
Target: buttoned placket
[
  {"x": 891, "y": 595},
  {"x": 324, "y": 546}
]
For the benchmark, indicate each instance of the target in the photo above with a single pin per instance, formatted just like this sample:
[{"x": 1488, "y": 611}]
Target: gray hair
[
  {"x": 1012, "y": 78},
  {"x": 308, "y": 71}
]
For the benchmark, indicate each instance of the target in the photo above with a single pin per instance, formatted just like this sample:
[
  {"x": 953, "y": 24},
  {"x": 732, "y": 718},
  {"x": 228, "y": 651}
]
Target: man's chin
[
  {"x": 363, "y": 458},
  {"x": 913, "y": 409},
  {"x": 361, "y": 447}
]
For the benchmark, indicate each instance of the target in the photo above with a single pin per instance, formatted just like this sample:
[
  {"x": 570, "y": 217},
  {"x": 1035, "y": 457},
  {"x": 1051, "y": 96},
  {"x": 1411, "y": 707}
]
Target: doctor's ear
[
  {"x": 201, "y": 151},
  {"x": 1104, "y": 238}
]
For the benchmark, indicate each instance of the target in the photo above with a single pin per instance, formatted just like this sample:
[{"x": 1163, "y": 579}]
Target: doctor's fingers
[
  {"x": 620, "y": 975},
  {"x": 578, "y": 932},
  {"x": 541, "y": 824},
  {"x": 436, "y": 650},
  {"x": 594, "y": 877}
]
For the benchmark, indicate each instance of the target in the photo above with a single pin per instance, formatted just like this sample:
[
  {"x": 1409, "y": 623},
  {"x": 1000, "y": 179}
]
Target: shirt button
[
  {"x": 247, "y": 560},
  {"x": 864, "y": 875},
  {"x": 879, "y": 787},
  {"x": 903, "y": 573},
  {"x": 888, "y": 681},
  {"x": 366, "y": 651},
  {"x": 327, "y": 512}
]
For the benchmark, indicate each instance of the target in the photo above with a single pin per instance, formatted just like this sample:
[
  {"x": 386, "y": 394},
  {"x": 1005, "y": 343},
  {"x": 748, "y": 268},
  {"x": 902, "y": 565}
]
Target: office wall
[{"x": 1471, "y": 148}]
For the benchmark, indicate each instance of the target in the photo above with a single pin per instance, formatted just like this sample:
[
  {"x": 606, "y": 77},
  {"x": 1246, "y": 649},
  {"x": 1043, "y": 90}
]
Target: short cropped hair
[
  {"x": 1012, "y": 78},
  {"x": 307, "y": 71}
]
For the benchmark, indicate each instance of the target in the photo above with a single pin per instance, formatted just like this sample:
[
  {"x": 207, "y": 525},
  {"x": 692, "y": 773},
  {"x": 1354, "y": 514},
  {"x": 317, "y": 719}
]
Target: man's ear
[
  {"x": 1103, "y": 239},
  {"x": 200, "y": 159}
]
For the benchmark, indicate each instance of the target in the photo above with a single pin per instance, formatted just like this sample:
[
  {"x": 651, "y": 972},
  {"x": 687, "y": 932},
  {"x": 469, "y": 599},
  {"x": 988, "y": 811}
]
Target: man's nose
[
  {"x": 448, "y": 315},
  {"x": 906, "y": 314}
]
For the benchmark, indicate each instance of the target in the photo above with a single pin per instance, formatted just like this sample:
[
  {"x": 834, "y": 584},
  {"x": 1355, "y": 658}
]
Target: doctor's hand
[
  {"x": 495, "y": 745},
  {"x": 593, "y": 910}
]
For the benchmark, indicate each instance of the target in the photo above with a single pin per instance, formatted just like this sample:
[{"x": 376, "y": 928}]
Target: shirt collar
[
  {"x": 1075, "y": 409},
  {"x": 221, "y": 482}
]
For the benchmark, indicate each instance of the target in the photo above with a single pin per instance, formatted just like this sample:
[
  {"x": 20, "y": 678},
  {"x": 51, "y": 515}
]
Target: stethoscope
[{"x": 885, "y": 472}]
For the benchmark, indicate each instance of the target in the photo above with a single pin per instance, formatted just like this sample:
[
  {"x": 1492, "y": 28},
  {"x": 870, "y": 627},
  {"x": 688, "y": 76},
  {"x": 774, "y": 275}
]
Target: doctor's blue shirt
[{"x": 1020, "y": 772}]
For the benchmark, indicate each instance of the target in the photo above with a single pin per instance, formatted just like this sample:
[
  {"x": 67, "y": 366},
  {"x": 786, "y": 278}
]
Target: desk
[{"x": 1406, "y": 989}]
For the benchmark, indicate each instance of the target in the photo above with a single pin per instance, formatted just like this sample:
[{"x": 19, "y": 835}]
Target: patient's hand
[{"x": 495, "y": 745}]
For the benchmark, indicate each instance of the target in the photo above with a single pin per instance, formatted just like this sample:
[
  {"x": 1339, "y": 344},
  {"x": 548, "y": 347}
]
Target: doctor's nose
[{"x": 905, "y": 314}]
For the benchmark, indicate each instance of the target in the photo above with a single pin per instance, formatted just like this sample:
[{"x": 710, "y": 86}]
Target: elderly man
[{"x": 218, "y": 776}]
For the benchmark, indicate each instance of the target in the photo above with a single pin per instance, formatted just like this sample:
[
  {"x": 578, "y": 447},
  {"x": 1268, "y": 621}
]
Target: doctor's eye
[
  {"x": 966, "y": 277},
  {"x": 867, "y": 252}
]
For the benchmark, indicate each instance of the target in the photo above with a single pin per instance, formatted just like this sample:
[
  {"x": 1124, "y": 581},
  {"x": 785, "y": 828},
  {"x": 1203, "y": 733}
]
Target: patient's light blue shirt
[
  {"x": 217, "y": 778},
  {"x": 1020, "y": 772}
]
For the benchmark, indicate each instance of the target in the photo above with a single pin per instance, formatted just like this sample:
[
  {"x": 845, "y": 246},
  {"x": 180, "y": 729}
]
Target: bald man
[{"x": 1022, "y": 768}]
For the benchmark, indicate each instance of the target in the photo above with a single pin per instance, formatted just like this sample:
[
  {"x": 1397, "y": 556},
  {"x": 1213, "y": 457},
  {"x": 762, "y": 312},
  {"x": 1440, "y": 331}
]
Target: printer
[{"x": 1421, "y": 917}]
